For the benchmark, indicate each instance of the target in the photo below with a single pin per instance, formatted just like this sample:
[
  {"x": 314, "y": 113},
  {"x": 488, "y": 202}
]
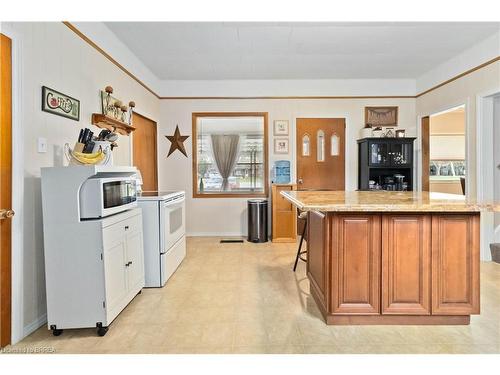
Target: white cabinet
[
  {"x": 115, "y": 278},
  {"x": 135, "y": 255},
  {"x": 123, "y": 263},
  {"x": 93, "y": 268}
]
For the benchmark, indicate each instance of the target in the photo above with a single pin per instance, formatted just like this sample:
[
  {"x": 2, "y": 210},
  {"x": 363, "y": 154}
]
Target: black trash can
[{"x": 257, "y": 220}]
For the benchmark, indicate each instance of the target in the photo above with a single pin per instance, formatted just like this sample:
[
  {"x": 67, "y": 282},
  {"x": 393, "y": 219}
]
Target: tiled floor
[{"x": 244, "y": 298}]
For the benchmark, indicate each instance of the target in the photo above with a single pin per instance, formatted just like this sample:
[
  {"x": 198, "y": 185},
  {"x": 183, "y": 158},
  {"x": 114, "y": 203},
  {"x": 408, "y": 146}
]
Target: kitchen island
[{"x": 392, "y": 257}]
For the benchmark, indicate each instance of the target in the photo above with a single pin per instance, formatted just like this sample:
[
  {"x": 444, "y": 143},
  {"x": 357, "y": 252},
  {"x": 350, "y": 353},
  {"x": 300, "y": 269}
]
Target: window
[
  {"x": 320, "y": 144},
  {"x": 334, "y": 145},
  {"x": 230, "y": 154},
  {"x": 305, "y": 145}
]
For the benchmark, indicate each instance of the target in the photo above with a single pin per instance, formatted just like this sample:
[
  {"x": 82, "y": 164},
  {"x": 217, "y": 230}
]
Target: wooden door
[
  {"x": 426, "y": 161},
  {"x": 455, "y": 264},
  {"x": 356, "y": 244},
  {"x": 145, "y": 156},
  {"x": 5, "y": 187},
  {"x": 406, "y": 264},
  {"x": 321, "y": 153}
]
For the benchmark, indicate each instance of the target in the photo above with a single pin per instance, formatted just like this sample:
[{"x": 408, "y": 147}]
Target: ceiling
[{"x": 217, "y": 51}]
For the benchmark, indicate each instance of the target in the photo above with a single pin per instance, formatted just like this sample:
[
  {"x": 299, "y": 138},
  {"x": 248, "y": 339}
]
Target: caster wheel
[
  {"x": 101, "y": 331},
  {"x": 57, "y": 332}
]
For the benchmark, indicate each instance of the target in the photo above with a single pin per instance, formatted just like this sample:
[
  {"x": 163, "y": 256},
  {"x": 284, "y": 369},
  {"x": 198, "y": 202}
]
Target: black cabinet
[{"x": 388, "y": 162}]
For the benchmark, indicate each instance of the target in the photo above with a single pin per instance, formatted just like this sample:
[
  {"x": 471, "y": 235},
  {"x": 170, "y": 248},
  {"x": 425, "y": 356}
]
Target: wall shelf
[{"x": 106, "y": 122}]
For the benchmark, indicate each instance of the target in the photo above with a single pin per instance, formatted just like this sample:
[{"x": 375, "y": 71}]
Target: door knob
[
  {"x": 6, "y": 214},
  {"x": 300, "y": 181}
]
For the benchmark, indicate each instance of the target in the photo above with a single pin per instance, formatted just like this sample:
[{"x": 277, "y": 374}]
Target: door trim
[{"x": 484, "y": 158}]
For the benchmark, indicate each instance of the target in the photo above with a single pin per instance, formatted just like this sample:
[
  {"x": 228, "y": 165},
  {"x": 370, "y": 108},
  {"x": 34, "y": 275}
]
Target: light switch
[{"x": 42, "y": 145}]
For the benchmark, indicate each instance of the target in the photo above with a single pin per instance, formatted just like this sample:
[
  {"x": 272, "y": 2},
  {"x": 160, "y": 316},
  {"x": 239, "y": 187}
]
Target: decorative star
[{"x": 177, "y": 142}]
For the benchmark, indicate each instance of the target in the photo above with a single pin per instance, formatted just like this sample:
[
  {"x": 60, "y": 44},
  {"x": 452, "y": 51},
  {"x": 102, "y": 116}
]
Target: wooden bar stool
[{"x": 302, "y": 215}]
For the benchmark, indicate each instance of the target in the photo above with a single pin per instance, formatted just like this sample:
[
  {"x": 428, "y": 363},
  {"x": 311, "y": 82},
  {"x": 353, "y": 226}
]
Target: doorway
[
  {"x": 320, "y": 153},
  {"x": 145, "y": 156},
  {"x": 488, "y": 162},
  {"x": 5, "y": 188},
  {"x": 444, "y": 152}
]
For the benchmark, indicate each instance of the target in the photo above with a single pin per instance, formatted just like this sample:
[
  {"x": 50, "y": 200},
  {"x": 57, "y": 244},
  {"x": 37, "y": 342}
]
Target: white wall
[
  {"x": 478, "y": 54},
  {"x": 287, "y": 87},
  {"x": 226, "y": 216},
  {"x": 51, "y": 54},
  {"x": 458, "y": 92}
]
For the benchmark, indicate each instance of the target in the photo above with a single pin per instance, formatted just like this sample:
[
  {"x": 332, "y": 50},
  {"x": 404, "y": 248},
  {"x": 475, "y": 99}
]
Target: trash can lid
[{"x": 257, "y": 201}]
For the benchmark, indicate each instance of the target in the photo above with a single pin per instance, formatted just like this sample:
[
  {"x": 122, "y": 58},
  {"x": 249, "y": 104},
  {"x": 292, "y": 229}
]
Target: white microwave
[{"x": 101, "y": 197}]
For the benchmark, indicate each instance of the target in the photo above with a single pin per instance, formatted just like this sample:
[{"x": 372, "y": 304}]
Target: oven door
[{"x": 172, "y": 222}]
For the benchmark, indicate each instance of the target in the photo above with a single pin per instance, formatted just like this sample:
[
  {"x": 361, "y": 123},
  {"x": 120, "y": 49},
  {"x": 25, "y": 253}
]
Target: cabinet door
[
  {"x": 455, "y": 264},
  {"x": 135, "y": 260},
  {"x": 356, "y": 255},
  {"x": 406, "y": 264},
  {"x": 284, "y": 216},
  {"x": 401, "y": 154},
  {"x": 378, "y": 154},
  {"x": 115, "y": 258}
]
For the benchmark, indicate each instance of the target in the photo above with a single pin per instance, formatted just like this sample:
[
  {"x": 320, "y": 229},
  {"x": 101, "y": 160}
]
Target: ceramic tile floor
[{"x": 244, "y": 298}]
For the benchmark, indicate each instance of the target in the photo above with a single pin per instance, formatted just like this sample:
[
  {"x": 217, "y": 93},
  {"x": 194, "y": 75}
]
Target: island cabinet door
[
  {"x": 406, "y": 264},
  {"x": 455, "y": 264},
  {"x": 355, "y": 264}
]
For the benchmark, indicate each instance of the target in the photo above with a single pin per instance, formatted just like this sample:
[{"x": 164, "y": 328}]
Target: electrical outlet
[{"x": 42, "y": 145}]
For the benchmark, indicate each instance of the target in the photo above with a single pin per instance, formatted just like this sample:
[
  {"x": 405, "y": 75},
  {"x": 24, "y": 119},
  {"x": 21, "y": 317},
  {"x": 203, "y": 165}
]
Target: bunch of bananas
[{"x": 94, "y": 158}]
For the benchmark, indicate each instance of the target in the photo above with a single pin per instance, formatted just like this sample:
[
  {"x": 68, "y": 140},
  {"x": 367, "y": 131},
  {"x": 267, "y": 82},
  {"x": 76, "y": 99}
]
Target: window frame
[{"x": 194, "y": 171}]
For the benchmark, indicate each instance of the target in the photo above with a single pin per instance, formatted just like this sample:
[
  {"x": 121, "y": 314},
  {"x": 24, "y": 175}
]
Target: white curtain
[{"x": 225, "y": 152}]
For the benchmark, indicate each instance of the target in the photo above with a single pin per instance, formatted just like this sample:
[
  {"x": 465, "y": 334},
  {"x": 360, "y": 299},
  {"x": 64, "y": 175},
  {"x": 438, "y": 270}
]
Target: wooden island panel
[
  {"x": 355, "y": 264},
  {"x": 317, "y": 257},
  {"x": 381, "y": 268},
  {"x": 406, "y": 260},
  {"x": 455, "y": 264}
]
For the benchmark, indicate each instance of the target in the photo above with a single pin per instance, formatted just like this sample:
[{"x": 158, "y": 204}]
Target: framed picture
[
  {"x": 60, "y": 104},
  {"x": 280, "y": 127},
  {"x": 381, "y": 116},
  {"x": 281, "y": 145}
]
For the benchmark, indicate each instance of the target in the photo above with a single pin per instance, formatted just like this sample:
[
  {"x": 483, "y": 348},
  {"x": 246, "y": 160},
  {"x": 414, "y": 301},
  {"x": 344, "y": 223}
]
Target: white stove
[{"x": 163, "y": 216}]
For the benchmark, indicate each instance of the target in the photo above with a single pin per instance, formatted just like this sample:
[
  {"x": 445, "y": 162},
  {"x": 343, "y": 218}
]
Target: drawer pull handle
[
  {"x": 126, "y": 227},
  {"x": 128, "y": 264}
]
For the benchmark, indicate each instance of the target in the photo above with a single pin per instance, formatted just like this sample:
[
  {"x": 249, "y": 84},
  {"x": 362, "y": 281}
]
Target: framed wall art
[
  {"x": 281, "y": 146},
  {"x": 381, "y": 116},
  {"x": 60, "y": 104},
  {"x": 280, "y": 127}
]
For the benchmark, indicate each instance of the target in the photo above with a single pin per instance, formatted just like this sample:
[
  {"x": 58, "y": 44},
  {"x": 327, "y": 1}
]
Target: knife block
[{"x": 78, "y": 147}]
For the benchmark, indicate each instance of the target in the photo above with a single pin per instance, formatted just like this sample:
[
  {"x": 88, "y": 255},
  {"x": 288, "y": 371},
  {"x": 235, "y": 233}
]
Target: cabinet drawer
[{"x": 115, "y": 232}]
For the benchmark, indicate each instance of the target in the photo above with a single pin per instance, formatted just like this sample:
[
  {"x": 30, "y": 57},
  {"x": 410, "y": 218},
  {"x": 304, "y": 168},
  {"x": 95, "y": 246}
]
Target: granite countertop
[{"x": 384, "y": 201}]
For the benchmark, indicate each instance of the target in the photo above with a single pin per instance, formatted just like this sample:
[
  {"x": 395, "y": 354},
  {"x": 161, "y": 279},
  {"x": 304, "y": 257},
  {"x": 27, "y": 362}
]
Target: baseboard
[
  {"x": 212, "y": 234},
  {"x": 33, "y": 326}
]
